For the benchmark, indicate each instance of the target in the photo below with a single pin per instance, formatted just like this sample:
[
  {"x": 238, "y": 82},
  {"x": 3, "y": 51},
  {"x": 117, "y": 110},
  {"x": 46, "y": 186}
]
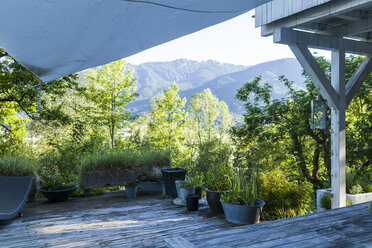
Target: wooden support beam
[
  {"x": 358, "y": 78},
  {"x": 338, "y": 131},
  {"x": 289, "y": 36},
  {"x": 316, "y": 74}
]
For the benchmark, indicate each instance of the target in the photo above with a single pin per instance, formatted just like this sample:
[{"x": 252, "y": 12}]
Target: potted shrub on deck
[
  {"x": 187, "y": 188},
  {"x": 217, "y": 182},
  {"x": 240, "y": 203},
  {"x": 57, "y": 188}
]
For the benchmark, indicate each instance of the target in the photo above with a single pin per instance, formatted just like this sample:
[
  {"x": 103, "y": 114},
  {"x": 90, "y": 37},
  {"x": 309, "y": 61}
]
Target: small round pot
[
  {"x": 243, "y": 214},
  {"x": 193, "y": 202},
  {"x": 185, "y": 192},
  {"x": 213, "y": 198},
  {"x": 131, "y": 192},
  {"x": 58, "y": 195}
]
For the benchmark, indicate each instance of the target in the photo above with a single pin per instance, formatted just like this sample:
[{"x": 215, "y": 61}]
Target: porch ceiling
[{"x": 348, "y": 19}]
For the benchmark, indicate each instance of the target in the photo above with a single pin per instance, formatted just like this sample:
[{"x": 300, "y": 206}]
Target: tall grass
[
  {"x": 16, "y": 166},
  {"x": 128, "y": 159}
]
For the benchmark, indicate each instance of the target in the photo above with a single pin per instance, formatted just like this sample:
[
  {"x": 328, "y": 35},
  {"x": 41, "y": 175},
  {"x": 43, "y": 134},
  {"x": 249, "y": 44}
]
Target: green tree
[
  {"x": 19, "y": 94},
  {"x": 285, "y": 123},
  {"x": 208, "y": 117},
  {"x": 110, "y": 87},
  {"x": 167, "y": 119}
]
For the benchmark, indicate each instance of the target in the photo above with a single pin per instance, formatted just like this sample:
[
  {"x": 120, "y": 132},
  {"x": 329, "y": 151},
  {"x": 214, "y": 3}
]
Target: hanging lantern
[{"x": 318, "y": 114}]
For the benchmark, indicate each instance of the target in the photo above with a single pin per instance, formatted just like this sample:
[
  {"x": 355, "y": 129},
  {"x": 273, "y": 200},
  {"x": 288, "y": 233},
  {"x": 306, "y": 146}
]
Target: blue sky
[{"x": 236, "y": 41}]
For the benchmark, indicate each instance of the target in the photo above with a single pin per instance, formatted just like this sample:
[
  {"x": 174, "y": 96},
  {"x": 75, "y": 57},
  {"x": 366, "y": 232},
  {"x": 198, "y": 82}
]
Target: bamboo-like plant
[{"x": 242, "y": 189}]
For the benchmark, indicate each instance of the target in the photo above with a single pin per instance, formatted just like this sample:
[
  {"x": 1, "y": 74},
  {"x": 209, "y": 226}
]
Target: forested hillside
[{"x": 223, "y": 79}]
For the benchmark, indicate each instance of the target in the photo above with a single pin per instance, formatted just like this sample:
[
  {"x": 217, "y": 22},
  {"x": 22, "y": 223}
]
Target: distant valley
[{"x": 223, "y": 79}]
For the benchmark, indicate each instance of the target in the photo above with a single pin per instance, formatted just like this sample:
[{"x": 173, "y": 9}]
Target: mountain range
[{"x": 223, "y": 79}]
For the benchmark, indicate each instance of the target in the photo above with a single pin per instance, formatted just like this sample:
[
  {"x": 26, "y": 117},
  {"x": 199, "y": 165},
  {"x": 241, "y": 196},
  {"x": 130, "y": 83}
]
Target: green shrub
[
  {"x": 358, "y": 183},
  {"x": 283, "y": 197},
  {"x": 16, "y": 166},
  {"x": 326, "y": 201},
  {"x": 187, "y": 184},
  {"x": 356, "y": 189},
  {"x": 217, "y": 178},
  {"x": 57, "y": 182},
  {"x": 211, "y": 154},
  {"x": 368, "y": 188}
]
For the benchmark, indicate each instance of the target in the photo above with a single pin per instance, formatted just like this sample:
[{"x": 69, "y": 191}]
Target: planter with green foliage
[
  {"x": 187, "y": 188},
  {"x": 14, "y": 166},
  {"x": 151, "y": 181},
  {"x": 217, "y": 180},
  {"x": 120, "y": 167},
  {"x": 240, "y": 203}
]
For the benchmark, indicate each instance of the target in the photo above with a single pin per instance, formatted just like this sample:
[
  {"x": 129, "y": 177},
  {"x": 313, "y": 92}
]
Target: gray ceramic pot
[
  {"x": 184, "y": 192},
  {"x": 243, "y": 214}
]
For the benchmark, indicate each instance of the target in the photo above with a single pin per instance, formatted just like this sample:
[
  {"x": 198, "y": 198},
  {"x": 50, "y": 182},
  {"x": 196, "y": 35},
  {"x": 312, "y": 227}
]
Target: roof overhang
[{"x": 348, "y": 19}]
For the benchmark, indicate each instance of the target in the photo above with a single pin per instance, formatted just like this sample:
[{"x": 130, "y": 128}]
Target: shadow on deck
[{"x": 110, "y": 220}]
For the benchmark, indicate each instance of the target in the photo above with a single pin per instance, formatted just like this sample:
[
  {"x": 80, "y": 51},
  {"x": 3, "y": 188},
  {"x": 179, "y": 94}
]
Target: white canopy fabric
[{"x": 53, "y": 38}]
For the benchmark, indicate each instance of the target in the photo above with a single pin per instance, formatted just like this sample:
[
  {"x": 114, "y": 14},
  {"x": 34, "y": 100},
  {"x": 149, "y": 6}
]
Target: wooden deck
[{"x": 112, "y": 221}]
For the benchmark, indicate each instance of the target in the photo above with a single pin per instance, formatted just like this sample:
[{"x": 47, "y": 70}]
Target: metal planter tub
[
  {"x": 97, "y": 179},
  {"x": 243, "y": 214},
  {"x": 153, "y": 187}
]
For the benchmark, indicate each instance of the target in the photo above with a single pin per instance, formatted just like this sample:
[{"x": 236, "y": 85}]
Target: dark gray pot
[
  {"x": 213, "y": 198},
  {"x": 153, "y": 187},
  {"x": 131, "y": 192},
  {"x": 243, "y": 214},
  {"x": 58, "y": 195}
]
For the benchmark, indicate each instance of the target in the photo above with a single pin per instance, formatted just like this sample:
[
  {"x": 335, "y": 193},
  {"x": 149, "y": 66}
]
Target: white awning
[{"x": 54, "y": 38}]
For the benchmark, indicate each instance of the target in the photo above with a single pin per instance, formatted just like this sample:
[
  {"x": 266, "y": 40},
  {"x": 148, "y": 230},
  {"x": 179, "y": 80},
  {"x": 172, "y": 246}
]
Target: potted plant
[
  {"x": 131, "y": 190},
  {"x": 240, "y": 203},
  {"x": 217, "y": 184},
  {"x": 151, "y": 182},
  {"x": 57, "y": 188},
  {"x": 110, "y": 168},
  {"x": 171, "y": 175},
  {"x": 187, "y": 188},
  {"x": 13, "y": 166}
]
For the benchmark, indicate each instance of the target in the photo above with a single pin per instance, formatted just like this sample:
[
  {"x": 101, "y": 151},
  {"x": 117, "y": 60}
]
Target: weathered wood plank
[
  {"x": 178, "y": 242},
  {"x": 113, "y": 221}
]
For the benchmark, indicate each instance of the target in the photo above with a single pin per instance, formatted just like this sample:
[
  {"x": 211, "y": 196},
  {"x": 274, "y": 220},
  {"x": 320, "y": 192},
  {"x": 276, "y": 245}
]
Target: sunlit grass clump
[
  {"x": 16, "y": 166},
  {"x": 128, "y": 159}
]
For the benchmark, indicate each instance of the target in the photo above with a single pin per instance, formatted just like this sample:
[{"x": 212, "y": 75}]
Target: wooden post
[{"x": 338, "y": 132}]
